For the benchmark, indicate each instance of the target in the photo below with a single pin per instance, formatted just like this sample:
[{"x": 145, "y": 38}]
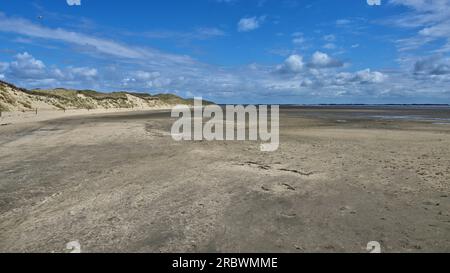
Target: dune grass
[{"x": 63, "y": 98}]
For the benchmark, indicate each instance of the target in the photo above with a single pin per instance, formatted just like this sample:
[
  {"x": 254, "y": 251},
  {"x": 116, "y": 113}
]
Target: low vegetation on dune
[
  {"x": 173, "y": 99},
  {"x": 13, "y": 98},
  {"x": 3, "y": 108}
]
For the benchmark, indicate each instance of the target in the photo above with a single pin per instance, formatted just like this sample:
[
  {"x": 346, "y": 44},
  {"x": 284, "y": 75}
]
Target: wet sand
[{"x": 119, "y": 183}]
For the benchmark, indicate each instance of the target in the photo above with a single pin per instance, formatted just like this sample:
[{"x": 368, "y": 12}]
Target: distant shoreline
[{"x": 342, "y": 104}]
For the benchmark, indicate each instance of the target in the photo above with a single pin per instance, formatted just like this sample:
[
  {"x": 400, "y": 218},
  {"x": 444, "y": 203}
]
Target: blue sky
[{"x": 233, "y": 51}]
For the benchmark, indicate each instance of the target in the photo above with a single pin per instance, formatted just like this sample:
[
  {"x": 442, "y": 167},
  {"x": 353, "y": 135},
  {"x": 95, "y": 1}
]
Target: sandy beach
[
  {"x": 17, "y": 117},
  {"x": 117, "y": 182}
]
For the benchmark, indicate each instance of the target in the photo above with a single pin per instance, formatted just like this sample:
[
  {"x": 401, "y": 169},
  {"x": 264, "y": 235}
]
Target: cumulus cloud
[
  {"x": 26, "y": 61},
  {"x": 250, "y": 23},
  {"x": 293, "y": 64},
  {"x": 322, "y": 60},
  {"x": 310, "y": 85},
  {"x": 365, "y": 76},
  {"x": 319, "y": 60},
  {"x": 434, "y": 65},
  {"x": 74, "y": 2},
  {"x": 26, "y": 66}
]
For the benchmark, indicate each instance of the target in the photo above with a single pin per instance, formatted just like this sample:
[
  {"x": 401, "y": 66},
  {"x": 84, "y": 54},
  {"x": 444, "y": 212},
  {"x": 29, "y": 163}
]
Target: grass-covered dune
[{"x": 14, "y": 98}]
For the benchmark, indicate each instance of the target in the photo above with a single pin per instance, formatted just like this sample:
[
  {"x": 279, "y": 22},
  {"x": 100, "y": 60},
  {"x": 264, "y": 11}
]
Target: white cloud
[
  {"x": 435, "y": 65},
  {"x": 26, "y": 61},
  {"x": 431, "y": 17},
  {"x": 293, "y": 64},
  {"x": 93, "y": 44},
  {"x": 342, "y": 22},
  {"x": 298, "y": 41},
  {"x": 322, "y": 60},
  {"x": 329, "y": 46},
  {"x": 84, "y": 72},
  {"x": 143, "y": 75},
  {"x": 294, "y": 79},
  {"x": 26, "y": 66},
  {"x": 57, "y": 73},
  {"x": 250, "y": 23},
  {"x": 329, "y": 38},
  {"x": 153, "y": 79},
  {"x": 201, "y": 33},
  {"x": 365, "y": 76},
  {"x": 74, "y": 2},
  {"x": 207, "y": 32}
]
